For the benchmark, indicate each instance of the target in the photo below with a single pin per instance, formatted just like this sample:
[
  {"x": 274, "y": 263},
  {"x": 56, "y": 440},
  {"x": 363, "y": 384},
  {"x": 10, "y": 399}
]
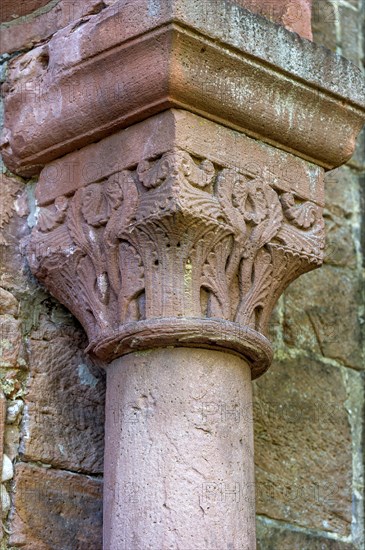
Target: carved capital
[{"x": 178, "y": 250}]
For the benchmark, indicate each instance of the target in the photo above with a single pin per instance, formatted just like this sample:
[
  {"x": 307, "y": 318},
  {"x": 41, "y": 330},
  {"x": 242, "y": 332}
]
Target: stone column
[
  {"x": 179, "y": 451},
  {"x": 184, "y": 244},
  {"x": 176, "y": 201}
]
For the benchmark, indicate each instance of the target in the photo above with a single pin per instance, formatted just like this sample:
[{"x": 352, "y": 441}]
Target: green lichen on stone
[{"x": 7, "y": 386}]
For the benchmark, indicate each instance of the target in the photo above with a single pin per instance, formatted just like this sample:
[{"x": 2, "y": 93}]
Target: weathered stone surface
[
  {"x": 270, "y": 537},
  {"x": 5, "y": 502},
  {"x": 342, "y": 208},
  {"x": 10, "y": 340},
  {"x": 50, "y": 112},
  {"x": 55, "y": 509},
  {"x": 13, "y": 411},
  {"x": 303, "y": 446},
  {"x": 27, "y": 22},
  {"x": 10, "y": 10},
  {"x": 340, "y": 193},
  {"x": 37, "y": 20},
  {"x": 8, "y": 303},
  {"x": 324, "y": 16},
  {"x": 179, "y": 452},
  {"x": 358, "y": 160},
  {"x": 2, "y": 424},
  {"x": 331, "y": 328},
  {"x": 342, "y": 226},
  {"x": 64, "y": 406},
  {"x": 14, "y": 272},
  {"x": 7, "y": 469},
  {"x": 178, "y": 129},
  {"x": 339, "y": 27},
  {"x": 12, "y": 441},
  {"x": 294, "y": 16},
  {"x": 9, "y": 190},
  {"x": 352, "y": 25}
]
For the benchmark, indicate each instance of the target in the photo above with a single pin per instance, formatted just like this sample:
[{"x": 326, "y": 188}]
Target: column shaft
[{"x": 179, "y": 469}]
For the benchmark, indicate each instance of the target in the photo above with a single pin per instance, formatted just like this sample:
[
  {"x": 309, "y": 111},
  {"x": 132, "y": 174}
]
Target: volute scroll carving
[{"x": 177, "y": 251}]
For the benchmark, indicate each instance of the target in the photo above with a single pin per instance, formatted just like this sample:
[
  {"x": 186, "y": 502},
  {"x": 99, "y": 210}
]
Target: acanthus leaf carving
[
  {"x": 303, "y": 215},
  {"x": 253, "y": 302},
  {"x": 53, "y": 216},
  {"x": 216, "y": 281},
  {"x": 179, "y": 238}
]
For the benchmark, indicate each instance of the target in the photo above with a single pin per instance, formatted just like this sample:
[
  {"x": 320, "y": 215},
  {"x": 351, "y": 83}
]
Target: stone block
[
  {"x": 324, "y": 16},
  {"x": 270, "y": 537},
  {"x": 56, "y": 509},
  {"x": 339, "y": 192},
  {"x": 13, "y": 228},
  {"x": 303, "y": 446},
  {"x": 341, "y": 213},
  {"x": 11, "y": 441},
  {"x": 358, "y": 158},
  {"x": 64, "y": 405},
  {"x": 351, "y": 23},
  {"x": 26, "y": 23},
  {"x": 10, "y": 340},
  {"x": 9, "y": 190},
  {"x": 330, "y": 327},
  {"x": 295, "y": 16},
  {"x": 8, "y": 303},
  {"x": 2, "y": 424}
]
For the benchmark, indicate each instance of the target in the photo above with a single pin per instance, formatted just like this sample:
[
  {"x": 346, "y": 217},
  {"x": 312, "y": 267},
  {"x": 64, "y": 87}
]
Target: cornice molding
[{"x": 214, "y": 59}]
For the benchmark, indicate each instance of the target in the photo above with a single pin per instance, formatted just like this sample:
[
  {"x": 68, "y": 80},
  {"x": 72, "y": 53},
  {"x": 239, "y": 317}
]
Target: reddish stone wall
[
  {"x": 53, "y": 441},
  {"x": 308, "y": 408}
]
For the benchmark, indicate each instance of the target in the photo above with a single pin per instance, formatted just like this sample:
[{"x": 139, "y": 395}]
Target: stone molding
[
  {"x": 178, "y": 249},
  {"x": 215, "y": 59}
]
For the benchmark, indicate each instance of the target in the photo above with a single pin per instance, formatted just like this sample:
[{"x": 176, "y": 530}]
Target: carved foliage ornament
[{"x": 175, "y": 249}]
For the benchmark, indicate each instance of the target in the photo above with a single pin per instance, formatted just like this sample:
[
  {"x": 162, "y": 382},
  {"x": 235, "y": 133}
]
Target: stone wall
[
  {"x": 53, "y": 430},
  {"x": 309, "y": 407}
]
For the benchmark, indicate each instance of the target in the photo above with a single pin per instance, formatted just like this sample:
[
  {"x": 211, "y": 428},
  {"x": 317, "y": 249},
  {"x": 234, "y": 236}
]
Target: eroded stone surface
[
  {"x": 55, "y": 509},
  {"x": 38, "y": 20},
  {"x": 9, "y": 190},
  {"x": 64, "y": 405},
  {"x": 9, "y": 10},
  {"x": 12, "y": 441},
  {"x": 303, "y": 445},
  {"x": 344, "y": 258},
  {"x": 50, "y": 112},
  {"x": 10, "y": 340},
  {"x": 8, "y": 303},
  {"x": 2, "y": 424},
  {"x": 332, "y": 329},
  {"x": 295, "y": 16},
  {"x": 29, "y": 21},
  {"x": 270, "y": 537}
]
